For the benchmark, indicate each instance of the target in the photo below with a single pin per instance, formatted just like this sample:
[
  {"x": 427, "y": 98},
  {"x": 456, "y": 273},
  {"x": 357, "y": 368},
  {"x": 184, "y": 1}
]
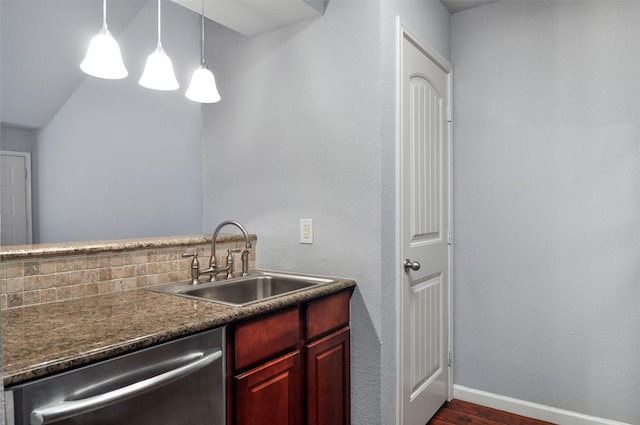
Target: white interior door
[
  {"x": 423, "y": 230},
  {"x": 15, "y": 198}
]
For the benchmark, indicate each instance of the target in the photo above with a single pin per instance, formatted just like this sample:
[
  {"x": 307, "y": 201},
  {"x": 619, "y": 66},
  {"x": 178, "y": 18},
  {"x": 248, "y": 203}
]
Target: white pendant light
[
  {"x": 203, "y": 87},
  {"x": 158, "y": 72},
  {"x": 103, "y": 59}
]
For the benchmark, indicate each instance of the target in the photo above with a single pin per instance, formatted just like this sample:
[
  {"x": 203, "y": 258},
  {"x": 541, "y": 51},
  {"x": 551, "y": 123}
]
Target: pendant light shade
[
  {"x": 103, "y": 59},
  {"x": 203, "y": 87},
  {"x": 158, "y": 72}
]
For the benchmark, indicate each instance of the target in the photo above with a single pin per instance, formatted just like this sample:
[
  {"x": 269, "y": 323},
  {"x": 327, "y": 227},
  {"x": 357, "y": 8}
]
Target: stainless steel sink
[{"x": 245, "y": 290}]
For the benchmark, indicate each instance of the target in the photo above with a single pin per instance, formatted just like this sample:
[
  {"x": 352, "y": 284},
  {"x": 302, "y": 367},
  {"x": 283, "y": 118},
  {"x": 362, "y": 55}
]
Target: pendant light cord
[
  {"x": 159, "y": 24},
  {"x": 202, "y": 35},
  {"x": 104, "y": 13}
]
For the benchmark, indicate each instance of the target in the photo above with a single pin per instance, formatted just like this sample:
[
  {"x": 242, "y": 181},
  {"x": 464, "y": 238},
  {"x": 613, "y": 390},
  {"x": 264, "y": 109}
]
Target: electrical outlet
[{"x": 306, "y": 230}]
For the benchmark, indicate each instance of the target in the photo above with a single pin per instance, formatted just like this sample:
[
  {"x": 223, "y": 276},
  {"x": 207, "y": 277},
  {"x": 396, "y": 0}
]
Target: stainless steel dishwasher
[{"x": 180, "y": 382}]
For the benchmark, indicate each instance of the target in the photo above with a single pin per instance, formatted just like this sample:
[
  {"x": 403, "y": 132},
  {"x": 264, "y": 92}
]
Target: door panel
[
  {"x": 426, "y": 333},
  {"x": 423, "y": 229},
  {"x": 425, "y": 109},
  {"x": 14, "y": 199}
]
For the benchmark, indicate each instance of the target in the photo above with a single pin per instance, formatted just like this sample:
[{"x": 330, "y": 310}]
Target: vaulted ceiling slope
[
  {"x": 39, "y": 38},
  {"x": 454, "y": 6},
  {"x": 253, "y": 18}
]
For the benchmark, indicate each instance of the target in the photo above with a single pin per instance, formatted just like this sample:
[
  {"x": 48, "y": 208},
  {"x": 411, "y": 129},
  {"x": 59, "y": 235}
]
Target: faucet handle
[
  {"x": 230, "y": 253},
  {"x": 230, "y": 261},
  {"x": 195, "y": 266},
  {"x": 245, "y": 261}
]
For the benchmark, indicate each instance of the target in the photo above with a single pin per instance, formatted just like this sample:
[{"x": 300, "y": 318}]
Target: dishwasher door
[{"x": 180, "y": 382}]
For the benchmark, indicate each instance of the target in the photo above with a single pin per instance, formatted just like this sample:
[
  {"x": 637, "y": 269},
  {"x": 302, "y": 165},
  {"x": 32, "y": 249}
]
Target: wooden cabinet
[
  {"x": 270, "y": 393},
  {"x": 328, "y": 380},
  {"x": 265, "y": 337},
  {"x": 292, "y": 367},
  {"x": 327, "y": 358}
]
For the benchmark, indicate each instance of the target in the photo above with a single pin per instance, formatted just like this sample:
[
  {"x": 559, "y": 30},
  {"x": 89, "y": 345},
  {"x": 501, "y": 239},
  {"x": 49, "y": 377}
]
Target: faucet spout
[{"x": 213, "y": 269}]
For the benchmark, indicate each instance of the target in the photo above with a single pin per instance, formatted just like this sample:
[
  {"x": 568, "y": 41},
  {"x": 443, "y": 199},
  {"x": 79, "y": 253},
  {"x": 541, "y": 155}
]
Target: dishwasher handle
[{"x": 68, "y": 409}]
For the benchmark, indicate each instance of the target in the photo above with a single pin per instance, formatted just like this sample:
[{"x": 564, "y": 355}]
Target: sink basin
[{"x": 245, "y": 290}]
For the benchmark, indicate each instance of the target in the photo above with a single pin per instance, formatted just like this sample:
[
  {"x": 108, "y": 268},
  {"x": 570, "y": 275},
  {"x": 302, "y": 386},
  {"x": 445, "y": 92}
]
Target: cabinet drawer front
[
  {"x": 327, "y": 314},
  {"x": 262, "y": 338}
]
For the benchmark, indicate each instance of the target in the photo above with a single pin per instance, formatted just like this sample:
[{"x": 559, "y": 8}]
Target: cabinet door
[
  {"x": 270, "y": 393},
  {"x": 328, "y": 382}
]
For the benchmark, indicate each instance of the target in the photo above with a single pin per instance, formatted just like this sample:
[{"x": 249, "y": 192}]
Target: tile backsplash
[{"x": 36, "y": 276}]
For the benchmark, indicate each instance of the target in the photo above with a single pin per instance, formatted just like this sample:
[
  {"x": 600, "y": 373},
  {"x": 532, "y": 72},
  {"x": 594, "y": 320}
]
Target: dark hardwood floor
[{"x": 458, "y": 412}]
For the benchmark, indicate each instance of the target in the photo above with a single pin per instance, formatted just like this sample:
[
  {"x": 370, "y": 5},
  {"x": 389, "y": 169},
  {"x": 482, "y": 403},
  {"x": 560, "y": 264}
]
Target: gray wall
[
  {"x": 17, "y": 139},
  {"x": 296, "y": 136},
  {"x": 547, "y": 203},
  {"x": 299, "y": 134},
  {"x": 120, "y": 160}
]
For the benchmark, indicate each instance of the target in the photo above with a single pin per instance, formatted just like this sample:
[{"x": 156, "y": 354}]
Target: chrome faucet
[{"x": 213, "y": 269}]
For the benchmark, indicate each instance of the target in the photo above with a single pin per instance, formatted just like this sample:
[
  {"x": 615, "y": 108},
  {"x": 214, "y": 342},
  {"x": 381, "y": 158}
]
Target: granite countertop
[
  {"x": 12, "y": 252},
  {"x": 40, "y": 340}
]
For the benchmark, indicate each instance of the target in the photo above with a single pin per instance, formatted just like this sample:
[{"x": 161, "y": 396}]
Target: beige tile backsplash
[{"x": 43, "y": 279}]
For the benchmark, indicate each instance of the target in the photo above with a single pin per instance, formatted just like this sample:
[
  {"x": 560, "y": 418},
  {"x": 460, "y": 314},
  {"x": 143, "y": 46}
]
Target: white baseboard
[{"x": 528, "y": 409}]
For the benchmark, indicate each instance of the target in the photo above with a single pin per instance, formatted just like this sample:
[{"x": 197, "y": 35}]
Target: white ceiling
[
  {"x": 34, "y": 80},
  {"x": 454, "y": 6},
  {"x": 253, "y": 18}
]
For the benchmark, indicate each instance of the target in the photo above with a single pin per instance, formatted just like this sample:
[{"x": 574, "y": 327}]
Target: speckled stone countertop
[
  {"x": 40, "y": 340},
  {"x": 71, "y": 248}
]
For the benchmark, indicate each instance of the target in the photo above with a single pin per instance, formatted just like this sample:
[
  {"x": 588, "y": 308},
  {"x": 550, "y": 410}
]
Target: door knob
[{"x": 408, "y": 264}]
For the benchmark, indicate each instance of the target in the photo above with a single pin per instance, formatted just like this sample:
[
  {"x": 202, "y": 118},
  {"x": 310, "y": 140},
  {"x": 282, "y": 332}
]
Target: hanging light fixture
[
  {"x": 203, "y": 84},
  {"x": 103, "y": 59},
  {"x": 158, "y": 72}
]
